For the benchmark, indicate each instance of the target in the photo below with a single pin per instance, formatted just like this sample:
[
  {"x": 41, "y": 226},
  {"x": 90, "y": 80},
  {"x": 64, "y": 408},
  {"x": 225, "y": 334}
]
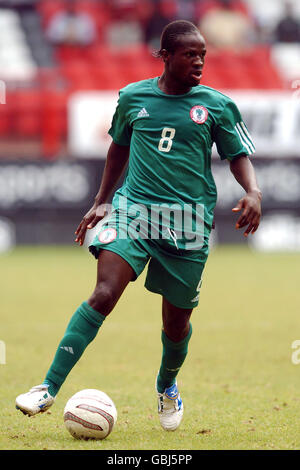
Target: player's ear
[{"x": 164, "y": 54}]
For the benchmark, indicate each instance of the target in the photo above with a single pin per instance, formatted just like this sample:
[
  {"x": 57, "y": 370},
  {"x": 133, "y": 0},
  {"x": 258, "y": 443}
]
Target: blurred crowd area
[
  {"x": 120, "y": 23},
  {"x": 51, "y": 48}
]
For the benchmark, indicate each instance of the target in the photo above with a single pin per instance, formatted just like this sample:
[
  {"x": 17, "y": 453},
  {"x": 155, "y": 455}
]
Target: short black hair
[{"x": 170, "y": 34}]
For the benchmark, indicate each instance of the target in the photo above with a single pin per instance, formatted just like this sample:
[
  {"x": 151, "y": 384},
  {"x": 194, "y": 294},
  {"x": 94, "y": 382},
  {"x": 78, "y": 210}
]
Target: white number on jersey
[{"x": 166, "y": 141}]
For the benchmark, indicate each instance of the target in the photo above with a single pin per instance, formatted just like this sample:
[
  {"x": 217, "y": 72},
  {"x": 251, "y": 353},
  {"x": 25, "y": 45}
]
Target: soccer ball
[{"x": 90, "y": 414}]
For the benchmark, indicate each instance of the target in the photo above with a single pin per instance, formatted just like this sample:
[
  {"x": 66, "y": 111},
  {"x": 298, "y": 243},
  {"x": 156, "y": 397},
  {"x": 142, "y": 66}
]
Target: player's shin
[
  {"x": 81, "y": 330},
  {"x": 173, "y": 356}
]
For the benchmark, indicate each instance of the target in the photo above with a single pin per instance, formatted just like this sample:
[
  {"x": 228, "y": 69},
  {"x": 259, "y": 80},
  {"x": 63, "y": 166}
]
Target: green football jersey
[{"x": 171, "y": 139}]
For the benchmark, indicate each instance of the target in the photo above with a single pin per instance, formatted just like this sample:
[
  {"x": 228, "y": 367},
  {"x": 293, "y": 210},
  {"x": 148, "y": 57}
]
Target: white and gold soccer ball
[{"x": 90, "y": 414}]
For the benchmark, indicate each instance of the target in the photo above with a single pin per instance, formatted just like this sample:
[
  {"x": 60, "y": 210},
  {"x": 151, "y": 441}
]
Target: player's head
[{"x": 183, "y": 51}]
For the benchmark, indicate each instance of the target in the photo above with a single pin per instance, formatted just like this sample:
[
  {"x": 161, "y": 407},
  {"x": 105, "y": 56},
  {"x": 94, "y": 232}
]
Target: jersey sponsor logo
[
  {"x": 199, "y": 114},
  {"x": 108, "y": 235},
  {"x": 143, "y": 113}
]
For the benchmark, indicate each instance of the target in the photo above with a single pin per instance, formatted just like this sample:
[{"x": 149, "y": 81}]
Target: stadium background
[
  {"x": 241, "y": 379},
  {"x": 59, "y": 83}
]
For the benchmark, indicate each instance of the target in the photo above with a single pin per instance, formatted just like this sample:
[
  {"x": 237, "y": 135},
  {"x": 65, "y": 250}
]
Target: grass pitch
[{"x": 239, "y": 385}]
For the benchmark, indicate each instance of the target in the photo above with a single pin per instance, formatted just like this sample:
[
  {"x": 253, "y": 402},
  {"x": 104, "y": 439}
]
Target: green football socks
[
  {"x": 81, "y": 330},
  {"x": 173, "y": 357}
]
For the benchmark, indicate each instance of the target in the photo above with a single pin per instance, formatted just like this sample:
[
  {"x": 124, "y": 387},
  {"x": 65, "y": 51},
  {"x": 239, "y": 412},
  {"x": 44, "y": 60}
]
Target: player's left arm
[
  {"x": 234, "y": 143},
  {"x": 250, "y": 204}
]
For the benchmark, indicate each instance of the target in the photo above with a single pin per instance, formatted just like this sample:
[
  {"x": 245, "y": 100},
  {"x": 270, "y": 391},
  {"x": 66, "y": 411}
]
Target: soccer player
[{"x": 163, "y": 129}]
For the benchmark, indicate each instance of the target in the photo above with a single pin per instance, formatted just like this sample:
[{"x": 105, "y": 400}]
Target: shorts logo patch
[
  {"x": 108, "y": 235},
  {"x": 195, "y": 299},
  {"x": 199, "y": 114}
]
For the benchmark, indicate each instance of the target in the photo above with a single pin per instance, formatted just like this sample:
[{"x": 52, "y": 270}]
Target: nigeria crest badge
[
  {"x": 108, "y": 235},
  {"x": 199, "y": 114}
]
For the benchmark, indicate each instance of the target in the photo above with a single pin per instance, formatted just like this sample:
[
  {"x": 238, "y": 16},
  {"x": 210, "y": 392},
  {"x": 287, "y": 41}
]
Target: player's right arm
[
  {"x": 116, "y": 161},
  {"x": 117, "y": 158}
]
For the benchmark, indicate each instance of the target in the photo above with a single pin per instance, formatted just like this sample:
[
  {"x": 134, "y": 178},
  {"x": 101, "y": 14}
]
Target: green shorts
[{"x": 174, "y": 273}]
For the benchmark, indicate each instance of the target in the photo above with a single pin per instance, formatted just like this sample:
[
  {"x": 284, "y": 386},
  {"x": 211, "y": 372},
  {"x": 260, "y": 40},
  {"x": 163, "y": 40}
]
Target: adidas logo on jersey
[
  {"x": 143, "y": 113},
  {"x": 68, "y": 349}
]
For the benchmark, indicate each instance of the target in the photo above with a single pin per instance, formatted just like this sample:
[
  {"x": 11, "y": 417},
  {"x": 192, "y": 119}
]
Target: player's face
[{"x": 185, "y": 65}]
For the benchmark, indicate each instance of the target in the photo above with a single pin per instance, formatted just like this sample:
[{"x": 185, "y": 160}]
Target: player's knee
[
  {"x": 177, "y": 330},
  {"x": 176, "y": 335},
  {"x": 103, "y": 299}
]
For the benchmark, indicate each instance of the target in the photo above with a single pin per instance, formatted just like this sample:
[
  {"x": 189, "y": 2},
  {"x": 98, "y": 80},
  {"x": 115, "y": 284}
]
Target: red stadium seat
[
  {"x": 66, "y": 53},
  {"x": 26, "y": 108},
  {"x": 27, "y": 125},
  {"x": 98, "y": 53},
  {"x": 250, "y": 69},
  {"x": 108, "y": 77},
  {"x": 5, "y": 120},
  {"x": 54, "y": 121}
]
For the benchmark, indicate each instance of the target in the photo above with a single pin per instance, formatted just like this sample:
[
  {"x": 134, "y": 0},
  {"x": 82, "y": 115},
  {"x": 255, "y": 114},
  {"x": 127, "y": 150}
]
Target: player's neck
[{"x": 171, "y": 87}]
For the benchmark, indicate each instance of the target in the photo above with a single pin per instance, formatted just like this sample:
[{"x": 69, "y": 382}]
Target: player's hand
[
  {"x": 89, "y": 221},
  {"x": 250, "y": 204}
]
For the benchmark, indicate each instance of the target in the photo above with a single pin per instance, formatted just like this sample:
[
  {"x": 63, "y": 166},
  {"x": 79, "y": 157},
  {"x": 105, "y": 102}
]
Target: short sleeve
[
  {"x": 120, "y": 129},
  {"x": 231, "y": 135}
]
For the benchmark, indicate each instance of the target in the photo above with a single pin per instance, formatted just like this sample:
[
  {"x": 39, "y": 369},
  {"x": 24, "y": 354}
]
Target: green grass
[{"x": 240, "y": 387}]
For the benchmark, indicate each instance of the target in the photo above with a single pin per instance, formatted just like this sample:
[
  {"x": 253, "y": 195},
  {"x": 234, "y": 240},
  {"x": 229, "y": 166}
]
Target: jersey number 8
[{"x": 166, "y": 140}]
